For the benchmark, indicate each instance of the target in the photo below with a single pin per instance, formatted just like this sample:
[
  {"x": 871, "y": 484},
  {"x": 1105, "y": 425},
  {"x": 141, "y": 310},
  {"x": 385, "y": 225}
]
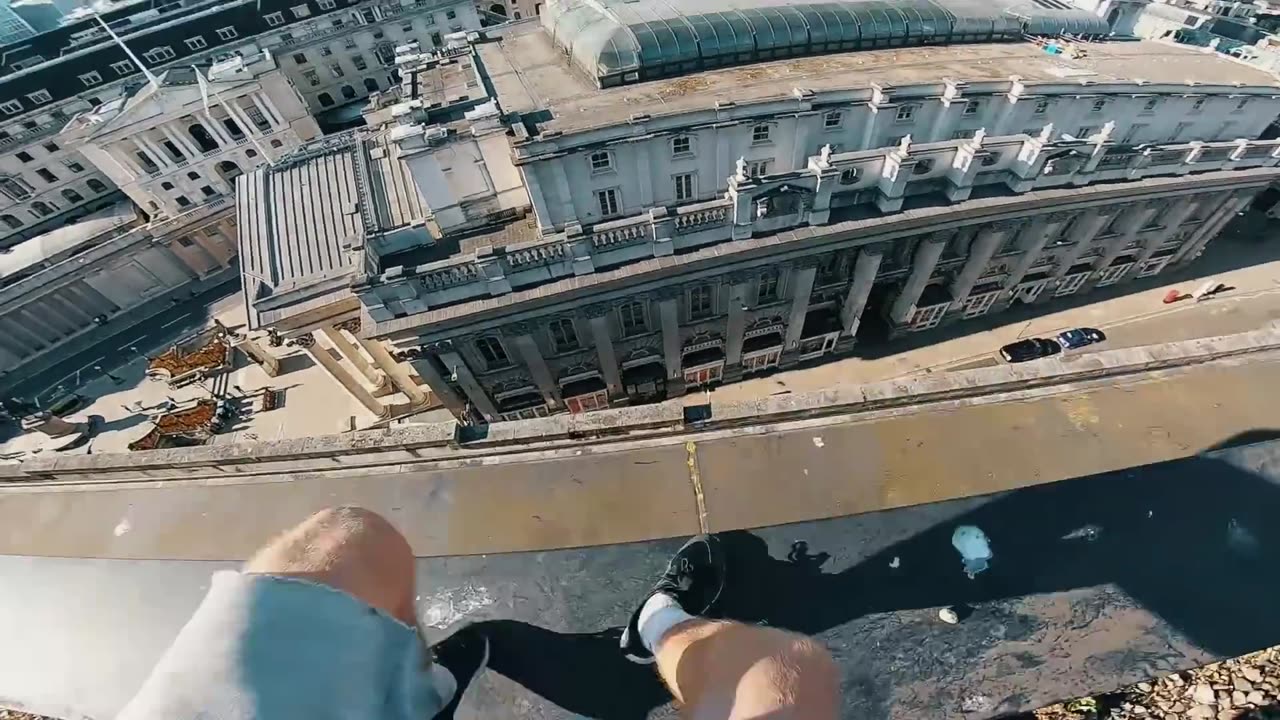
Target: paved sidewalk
[{"x": 1247, "y": 258}]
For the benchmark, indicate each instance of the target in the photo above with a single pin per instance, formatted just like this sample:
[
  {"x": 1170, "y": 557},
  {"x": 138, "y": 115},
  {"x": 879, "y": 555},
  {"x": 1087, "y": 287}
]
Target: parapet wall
[{"x": 424, "y": 443}]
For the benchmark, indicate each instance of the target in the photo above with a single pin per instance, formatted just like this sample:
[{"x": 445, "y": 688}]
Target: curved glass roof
[{"x": 625, "y": 41}]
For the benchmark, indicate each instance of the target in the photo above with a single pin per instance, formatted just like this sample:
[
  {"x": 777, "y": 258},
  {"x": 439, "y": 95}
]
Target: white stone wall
[{"x": 564, "y": 188}]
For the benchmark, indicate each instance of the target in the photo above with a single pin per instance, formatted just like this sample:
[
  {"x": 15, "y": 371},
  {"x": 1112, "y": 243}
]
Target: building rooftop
[
  {"x": 305, "y": 222},
  {"x": 529, "y": 74},
  {"x": 626, "y": 41},
  {"x": 28, "y": 256}
]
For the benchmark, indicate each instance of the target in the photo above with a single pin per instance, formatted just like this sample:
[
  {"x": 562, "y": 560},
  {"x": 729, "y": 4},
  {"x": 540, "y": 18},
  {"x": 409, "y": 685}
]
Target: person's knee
[{"x": 349, "y": 548}]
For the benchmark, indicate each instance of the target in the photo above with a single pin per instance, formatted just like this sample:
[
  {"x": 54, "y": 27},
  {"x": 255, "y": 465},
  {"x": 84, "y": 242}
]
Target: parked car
[
  {"x": 1029, "y": 349},
  {"x": 1079, "y": 337}
]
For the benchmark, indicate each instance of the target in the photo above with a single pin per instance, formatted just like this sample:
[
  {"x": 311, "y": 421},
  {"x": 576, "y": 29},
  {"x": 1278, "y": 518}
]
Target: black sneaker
[
  {"x": 694, "y": 579},
  {"x": 464, "y": 653}
]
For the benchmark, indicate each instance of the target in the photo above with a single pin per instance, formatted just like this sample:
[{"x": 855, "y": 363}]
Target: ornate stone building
[{"x": 618, "y": 226}]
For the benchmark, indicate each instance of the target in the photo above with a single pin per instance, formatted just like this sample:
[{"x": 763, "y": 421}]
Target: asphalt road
[
  {"x": 1222, "y": 315},
  {"x": 112, "y": 352}
]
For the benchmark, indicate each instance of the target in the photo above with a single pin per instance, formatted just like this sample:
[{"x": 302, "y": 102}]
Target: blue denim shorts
[{"x": 262, "y": 647}]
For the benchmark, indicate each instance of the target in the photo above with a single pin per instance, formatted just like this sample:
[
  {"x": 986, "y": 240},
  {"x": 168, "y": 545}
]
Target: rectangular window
[
  {"x": 159, "y": 54},
  {"x": 700, "y": 302},
  {"x": 407, "y": 27},
  {"x": 905, "y": 113},
  {"x": 39, "y": 97},
  {"x": 608, "y": 201},
  {"x": 1198, "y": 104},
  {"x": 760, "y": 134},
  {"x": 300, "y": 58},
  {"x": 451, "y": 15},
  {"x": 492, "y": 352},
  {"x": 1099, "y": 105},
  {"x": 11, "y": 107},
  {"x": 681, "y": 145},
  {"x": 1150, "y": 104},
  {"x": 564, "y": 338},
  {"x": 91, "y": 78},
  {"x": 208, "y": 191},
  {"x": 972, "y": 107},
  {"x": 300, "y": 11},
  {"x": 758, "y": 168},
  {"x": 325, "y": 51},
  {"x": 632, "y": 320},
  {"x": 601, "y": 161},
  {"x": 349, "y": 43},
  {"x": 182, "y": 201},
  {"x": 336, "y": 70},
  {"x": 1042, "y": 106},
  {"x": 73, "y": 166},
  {"x": 684, "y": 187},
  {"x": 273, "y": 19},
  {"x": 124, "y": 67},
  {"x": 196, "y": 43},
  {"x": 832, "y": 119},
  {"x": 327, "y": 4},
  {"x": 767, "y": 290},
  {"x": 51, "y": 147},
  {"x": 312, "y": 78},
  {"x": 24, "y": 156},
  {"x": 359, "y": 62},
  {"x": 227, "y": 33},
  {"x": 47, "y": 176}
]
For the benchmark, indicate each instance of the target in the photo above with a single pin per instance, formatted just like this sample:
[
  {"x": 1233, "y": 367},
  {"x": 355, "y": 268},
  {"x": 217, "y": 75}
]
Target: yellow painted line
[{"x": 692, "y": 448}]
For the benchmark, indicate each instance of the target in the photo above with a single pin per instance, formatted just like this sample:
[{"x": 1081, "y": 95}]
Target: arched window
[
  {"x": 251, "y": 153},
  {"x": 348, "y": 92},
  {"x": 371, "y": 85},
  {"x": 13, "y": 222},
  {"x": 228, "y": 170},
  {"x": 41, "y": 208},
  {"x": 166, "y": 185},
  {"x": 325, "y": 99},
  {"x": 233, "y": 128},
  {"x": 96, "y": 185},
  {"x": 202, "y": 138},
  {"x": 72, "y": 195},
  {"x": 498, "y": 9}
]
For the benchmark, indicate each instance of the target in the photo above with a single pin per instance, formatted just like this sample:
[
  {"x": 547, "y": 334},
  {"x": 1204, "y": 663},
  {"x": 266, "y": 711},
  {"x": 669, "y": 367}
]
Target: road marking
[
  {"x": 694, "y": 477},
  {"x": 176, "y": 320},
  {"x": 131, "y": 343},
  {"x": 91, "y": 364}
]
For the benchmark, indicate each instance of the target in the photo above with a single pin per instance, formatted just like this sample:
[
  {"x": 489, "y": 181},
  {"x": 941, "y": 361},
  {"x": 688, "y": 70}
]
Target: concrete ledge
[{"x": 436, "y": 442}]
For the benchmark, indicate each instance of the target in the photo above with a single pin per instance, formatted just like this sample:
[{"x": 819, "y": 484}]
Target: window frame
[
  {"x": 700, "y": 302},
  {"x": 91, "y": 78},
  {"x": 971, "y": 108},
  {"x": 680, "y": 181},
  {"x": 159, "y": 54},
  {"x": 300, "y": 11},
  {"x": 600, "y": 161},
  {"x": 771, "y": 279},
  {"x": 227, "y": 33},
  {"x": 501, "y": 358},
  {"x": 274, "y": 19},
  {"x": 688, "y": 146},
  {"x": 609, "y": 202},
  {"x": 633, "y": 310},
  {"x": 758, "y": 168},
  {"x": 832, "y": 115},
  {"x": 123, "y": 67},
  {"x": 196, "y": 43},
  {"x": 1099, "y": 105},
  {"x": 11, "y": 107},
  {"x": 1041, "y": 107},
  {"x": 905, "y": 113},
  {"x": 568, "y": 329},
  {"x": 40, "y": 97},
  {"x": 761, "y": 138}
]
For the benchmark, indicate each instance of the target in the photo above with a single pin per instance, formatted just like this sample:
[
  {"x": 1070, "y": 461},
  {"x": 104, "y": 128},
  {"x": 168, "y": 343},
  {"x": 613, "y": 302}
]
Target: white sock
[{"x": 659, "y": 614}]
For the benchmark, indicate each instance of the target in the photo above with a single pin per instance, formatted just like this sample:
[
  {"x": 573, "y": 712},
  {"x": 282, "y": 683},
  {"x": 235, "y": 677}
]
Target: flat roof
[{"x": 529, "y": 73}]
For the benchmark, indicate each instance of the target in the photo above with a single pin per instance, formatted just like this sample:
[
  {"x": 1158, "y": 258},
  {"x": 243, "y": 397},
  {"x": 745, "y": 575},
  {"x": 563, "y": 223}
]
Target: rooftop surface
[
  {"x": 51, "y": 245},
  {"x": 1056, "y": 615},
  {"x": 529, "y": 73},
  {"x": 621, "y": 41},
  {"x": 303, "y": 221}
]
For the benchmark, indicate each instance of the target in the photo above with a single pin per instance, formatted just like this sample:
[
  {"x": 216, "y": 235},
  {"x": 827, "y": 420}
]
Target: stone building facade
[{"x": 644, "y": 237}]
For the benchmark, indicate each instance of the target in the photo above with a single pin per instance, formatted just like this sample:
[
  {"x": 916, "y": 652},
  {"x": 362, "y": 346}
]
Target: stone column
[
  {"x": 395, "y": 371},
  {"x": 440, "y": 388},
  {"x": 864, "y": 277},
  {"x": 801, "y": 286},
  {"x": 739, "y": 290},
  {"x": 237, "y": 113},
  {"x": 1175, "y": 213},
  {"x": 272, "y": 121},
  {"x": 265, "y": 99},
  {"x": 989, "y": 239},
  {"x": 1083, "y": 231},
  {"x": 216, "y": 130},
  {"x": 155, "y": 148},
  {"x": 669, "y": 312},
  {"x": 529, "y": 353},
  {"x": 922, "y": 265},
  {"x": 351, "y": 384},
  {"x": 1135, "y": 219},
  {"x": 602, "y": 336},
  {"x": 152, "y": 154},
  {"x": 127, "y": 163},
  {"x": 353, "y": 356},
  {"x": 184, "y": 145},
  {"x": 1034, "y": 237},
  {"x": 476, "y": 395},
  {"x": 1196, "y": 244}
]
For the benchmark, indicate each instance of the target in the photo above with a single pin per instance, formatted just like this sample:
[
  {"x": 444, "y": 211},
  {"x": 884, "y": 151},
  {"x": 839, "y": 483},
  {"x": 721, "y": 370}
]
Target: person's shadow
[{"x": 1193, "y": 542}]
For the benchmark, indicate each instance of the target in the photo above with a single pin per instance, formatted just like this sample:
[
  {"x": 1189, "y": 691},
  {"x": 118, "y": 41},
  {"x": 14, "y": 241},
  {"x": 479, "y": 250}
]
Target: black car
[{"x": 1029, "y": 349}]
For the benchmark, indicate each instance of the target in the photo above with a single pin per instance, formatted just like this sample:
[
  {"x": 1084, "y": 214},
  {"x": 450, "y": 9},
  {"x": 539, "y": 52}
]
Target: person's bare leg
[
  {"x": 350, "y": 549},
  {"x": 717, "y": 669}
]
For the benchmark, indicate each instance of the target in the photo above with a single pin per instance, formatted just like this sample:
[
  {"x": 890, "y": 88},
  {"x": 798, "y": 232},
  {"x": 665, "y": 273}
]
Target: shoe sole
[{"x": 713, "y": 543}]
